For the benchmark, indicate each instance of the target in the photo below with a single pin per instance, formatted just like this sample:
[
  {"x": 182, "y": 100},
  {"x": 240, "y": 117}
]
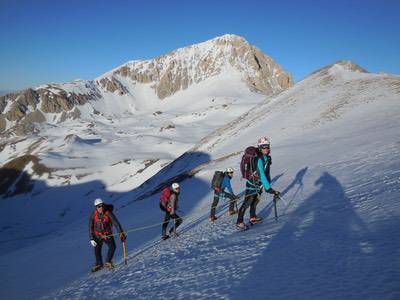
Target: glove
[
  {"x": 272, "y": 191},
  {"x": 93, "y": 242},
  {"x": 122, "y": 236}
]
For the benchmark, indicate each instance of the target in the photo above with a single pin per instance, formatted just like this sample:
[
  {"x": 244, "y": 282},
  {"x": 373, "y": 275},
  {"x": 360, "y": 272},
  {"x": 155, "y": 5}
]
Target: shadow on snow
[
  {"x": 38, "y": 210},
  {"x": 323, "y": 250}
]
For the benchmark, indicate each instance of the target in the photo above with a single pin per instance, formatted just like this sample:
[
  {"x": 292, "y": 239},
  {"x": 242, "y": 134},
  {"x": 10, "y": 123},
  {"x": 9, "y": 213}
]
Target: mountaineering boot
[
  {"x": 213, "y": 219},
  {"x": 242, "y": 226},
  {"x": 96, "y": 268},
  {"x": 232, "y": 212},
  {"x": 164, "y": 237},
  {"x": 173, "y": 233},
  {"x": 109, "y": 265},
  {"x": 255, "y": 220}
]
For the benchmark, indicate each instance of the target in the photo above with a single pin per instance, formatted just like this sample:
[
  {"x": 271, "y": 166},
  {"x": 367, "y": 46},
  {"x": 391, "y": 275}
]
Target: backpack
[
  {"x": 217, "y": 180},
  {"x": 248, "y": 165},
  {"x": 165, "y": 194},
  {"x": 108, "y": 207}
]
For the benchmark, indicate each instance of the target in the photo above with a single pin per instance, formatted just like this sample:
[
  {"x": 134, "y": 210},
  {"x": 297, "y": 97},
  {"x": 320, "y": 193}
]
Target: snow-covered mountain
[
  {"x": 137, "y": 85},
  {"x": 336, "y": 156},
  {"x": 117, "y": 139}
]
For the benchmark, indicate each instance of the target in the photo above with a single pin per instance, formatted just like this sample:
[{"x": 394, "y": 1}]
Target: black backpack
[
  {"x": 217, "y": 180},
  {"x": 108, "y": 207}
]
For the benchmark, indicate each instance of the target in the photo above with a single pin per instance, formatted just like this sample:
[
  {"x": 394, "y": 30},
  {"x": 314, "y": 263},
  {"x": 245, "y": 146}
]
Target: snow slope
[{"x": 336, "y": 159}]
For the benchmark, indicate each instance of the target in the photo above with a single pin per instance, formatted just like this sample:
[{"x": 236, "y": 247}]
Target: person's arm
[
  {"x": 268, "y": 169},
  {"x": 115, "y": 222},
  {"x": 91, "y": 233},
  {"x": 172, "y": 203},
  {"x": 263, "y": 177},
  {"x": 226, "y": 183}
]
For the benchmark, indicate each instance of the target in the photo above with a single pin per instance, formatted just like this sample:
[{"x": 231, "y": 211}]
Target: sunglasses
[
  {"x": 100, "y": 205},
  {"x": 264, "y": 147}
]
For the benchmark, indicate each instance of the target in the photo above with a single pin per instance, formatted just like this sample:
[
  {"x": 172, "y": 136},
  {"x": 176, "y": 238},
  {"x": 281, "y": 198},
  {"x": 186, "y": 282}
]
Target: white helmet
[
  {"x": 98, "y": 201},
  {"x": 175, "y": 186},
  {"x": 264, "y": 141},
  {"x": 229, "y": 170}
]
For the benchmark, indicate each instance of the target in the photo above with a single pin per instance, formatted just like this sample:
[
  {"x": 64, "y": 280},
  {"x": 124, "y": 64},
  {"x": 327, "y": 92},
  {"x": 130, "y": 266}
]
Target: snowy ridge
[
  {"x": 336, "y": 156},
  {"x": 320, "y": 98}
]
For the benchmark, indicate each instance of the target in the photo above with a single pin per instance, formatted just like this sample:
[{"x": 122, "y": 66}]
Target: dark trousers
[
  {"x": 111, "y": 249},
  {"x": 220, "y": 195},
  {"x": 167, "y": 217},
  {"x": 251, "y": 198}
]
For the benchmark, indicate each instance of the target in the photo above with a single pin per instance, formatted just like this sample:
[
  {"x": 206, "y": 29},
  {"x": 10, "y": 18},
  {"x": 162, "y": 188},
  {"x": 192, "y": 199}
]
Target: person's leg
[
  {"x": 253, "y": 205},
  {"x": 246, "y": 203},
  {"x": 111, "y": 248},
  {"x": 214, "y": 205},
  {"x": 97, "y": 252},
  {"x": 177, "y": 222},
  {"x": 232, "y": 200},
  {"x": 165, "y": 224}
]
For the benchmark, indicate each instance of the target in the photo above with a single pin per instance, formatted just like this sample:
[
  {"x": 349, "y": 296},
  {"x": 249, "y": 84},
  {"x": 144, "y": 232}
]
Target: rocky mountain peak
[
  {"x": 231, "y": 39},
  {"x": 346, "y": 65},
  {"x": 350, "y": 66},
  {"x": 166, "y": 75},
  {"x": 179, "y": 69}
]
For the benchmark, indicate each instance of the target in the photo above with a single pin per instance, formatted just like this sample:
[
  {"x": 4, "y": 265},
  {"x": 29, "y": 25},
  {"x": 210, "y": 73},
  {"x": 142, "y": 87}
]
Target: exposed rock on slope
[{"x": 16, "y": 179}]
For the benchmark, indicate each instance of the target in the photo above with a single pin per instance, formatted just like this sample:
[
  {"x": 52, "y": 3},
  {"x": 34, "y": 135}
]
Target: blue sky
[{"x": 57, "y": 41}]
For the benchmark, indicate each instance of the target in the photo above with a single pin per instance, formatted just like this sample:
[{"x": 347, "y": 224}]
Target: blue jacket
[
  {"x": 263, "y": 170},
  {"x": 226, "y": 183}
]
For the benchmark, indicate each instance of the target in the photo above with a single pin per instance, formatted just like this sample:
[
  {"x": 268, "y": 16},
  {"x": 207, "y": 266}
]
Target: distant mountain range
[{"x": 122, "y": 89}]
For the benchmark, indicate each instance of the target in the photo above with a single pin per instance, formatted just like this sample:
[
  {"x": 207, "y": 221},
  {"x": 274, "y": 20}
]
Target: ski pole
[
  {"x": 124, "y": 247},
  {"x": 275, "y": 208}
]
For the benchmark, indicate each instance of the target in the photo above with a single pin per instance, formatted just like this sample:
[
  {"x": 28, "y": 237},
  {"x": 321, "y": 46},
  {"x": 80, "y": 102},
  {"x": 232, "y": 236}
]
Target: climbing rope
[
  {"x": 160, "y": 223},
  {"x": 141, "y": 228}
]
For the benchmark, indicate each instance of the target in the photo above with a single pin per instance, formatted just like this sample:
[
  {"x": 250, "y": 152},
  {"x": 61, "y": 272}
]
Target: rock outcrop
[{"x": 346, "y": 64}]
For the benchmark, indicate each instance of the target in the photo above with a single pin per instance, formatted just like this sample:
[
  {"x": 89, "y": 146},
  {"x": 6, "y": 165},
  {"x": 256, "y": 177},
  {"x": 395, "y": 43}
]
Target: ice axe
[
  {"x": 125, "y": 258},
  {"x": 236, "y": 201}
]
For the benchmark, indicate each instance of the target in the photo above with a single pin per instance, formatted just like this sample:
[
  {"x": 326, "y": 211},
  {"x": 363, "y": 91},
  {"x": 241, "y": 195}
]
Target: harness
[
  {"x": 255, "y": 185},
  {"x": 102, "y": 227}
]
